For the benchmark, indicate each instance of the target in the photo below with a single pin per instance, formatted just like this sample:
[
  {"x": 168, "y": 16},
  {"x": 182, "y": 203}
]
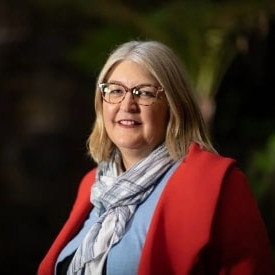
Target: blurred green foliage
[{"x": 261, "y": 168}]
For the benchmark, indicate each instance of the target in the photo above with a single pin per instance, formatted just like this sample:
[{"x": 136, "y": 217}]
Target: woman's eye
[
  {"x": 116, "y": 91},
  {"x": 145, "y": 93}
]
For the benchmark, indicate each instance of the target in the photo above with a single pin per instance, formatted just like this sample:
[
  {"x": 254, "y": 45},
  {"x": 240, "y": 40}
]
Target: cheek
[
  {"x": 108, "y": 112},
  {"x": 158, "y": 121},
  {"x": 104, "y": 113},
  {"x": 162, "y": 115},
  {"x": 107, "y": 119}
]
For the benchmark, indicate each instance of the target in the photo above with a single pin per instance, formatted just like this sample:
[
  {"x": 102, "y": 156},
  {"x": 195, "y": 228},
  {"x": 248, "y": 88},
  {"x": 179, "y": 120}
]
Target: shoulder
[
  {"x": 201, "y": 163},
  {"x": 201, "y": 155},
  {"x": 87, "y": 181},
  {"x": 214, "y": 165}
]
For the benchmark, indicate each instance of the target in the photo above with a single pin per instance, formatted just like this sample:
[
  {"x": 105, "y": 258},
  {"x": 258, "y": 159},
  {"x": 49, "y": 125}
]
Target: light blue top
[{"x": 123, "y": 258}]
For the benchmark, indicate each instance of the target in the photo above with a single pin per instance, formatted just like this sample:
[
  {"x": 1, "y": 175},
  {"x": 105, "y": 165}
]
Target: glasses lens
[
  {"x": 145, "y": 95},
  {"x": 112, "y": 93}
]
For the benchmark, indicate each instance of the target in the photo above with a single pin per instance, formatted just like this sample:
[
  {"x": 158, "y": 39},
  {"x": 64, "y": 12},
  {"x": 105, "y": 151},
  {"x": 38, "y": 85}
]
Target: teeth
[{"x": 127, "y": 122}]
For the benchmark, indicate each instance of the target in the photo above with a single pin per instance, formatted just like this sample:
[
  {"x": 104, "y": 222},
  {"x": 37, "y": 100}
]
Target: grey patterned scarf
[{"x": 116, "y": 197}]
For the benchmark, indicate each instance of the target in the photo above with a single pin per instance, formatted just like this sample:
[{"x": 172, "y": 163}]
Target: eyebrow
[{"x": 141, "y": 84}]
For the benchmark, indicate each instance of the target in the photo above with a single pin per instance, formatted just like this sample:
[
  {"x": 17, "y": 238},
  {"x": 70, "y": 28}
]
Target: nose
[{"x": 128, "y": 104}]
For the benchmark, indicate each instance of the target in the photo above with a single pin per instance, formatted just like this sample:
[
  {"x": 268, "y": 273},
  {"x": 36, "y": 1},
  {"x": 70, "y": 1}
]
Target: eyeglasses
[{"x": 143, "y": 94}]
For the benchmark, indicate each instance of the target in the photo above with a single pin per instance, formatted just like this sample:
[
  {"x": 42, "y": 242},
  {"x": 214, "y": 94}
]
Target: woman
[{"x": 161, "y": 200}]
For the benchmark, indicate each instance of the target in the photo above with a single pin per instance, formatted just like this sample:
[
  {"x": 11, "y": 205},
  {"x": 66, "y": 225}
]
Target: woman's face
[{"x": 135, "y": 129}]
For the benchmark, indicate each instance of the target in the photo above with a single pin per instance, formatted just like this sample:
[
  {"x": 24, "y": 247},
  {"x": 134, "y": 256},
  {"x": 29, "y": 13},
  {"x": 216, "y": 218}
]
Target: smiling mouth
[{"x": 129, "y": 122}]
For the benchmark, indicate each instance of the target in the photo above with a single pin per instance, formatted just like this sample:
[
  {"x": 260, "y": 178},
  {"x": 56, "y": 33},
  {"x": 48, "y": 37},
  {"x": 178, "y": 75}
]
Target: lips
[{"x": 127, "y": 122}]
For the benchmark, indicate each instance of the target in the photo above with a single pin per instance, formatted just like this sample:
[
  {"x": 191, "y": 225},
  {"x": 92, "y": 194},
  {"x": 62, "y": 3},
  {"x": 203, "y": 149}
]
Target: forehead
[{"x": 130, "y": 73}]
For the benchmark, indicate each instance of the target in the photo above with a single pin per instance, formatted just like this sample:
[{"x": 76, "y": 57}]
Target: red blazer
[{"x": 206, "y": 222}]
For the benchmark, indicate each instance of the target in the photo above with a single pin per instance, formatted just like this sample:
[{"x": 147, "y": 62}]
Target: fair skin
[{"x": 136, "y": 130}]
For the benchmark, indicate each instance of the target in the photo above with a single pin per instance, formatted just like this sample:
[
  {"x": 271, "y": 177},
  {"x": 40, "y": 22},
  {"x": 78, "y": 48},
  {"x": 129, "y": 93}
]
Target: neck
[{"x": 131, "y": 157}]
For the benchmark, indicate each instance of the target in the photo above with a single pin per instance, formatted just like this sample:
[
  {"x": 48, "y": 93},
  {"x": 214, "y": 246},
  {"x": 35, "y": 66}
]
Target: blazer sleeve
[
  {"x": 240, "y": 239},
  {"x": 79, "y": 212}
]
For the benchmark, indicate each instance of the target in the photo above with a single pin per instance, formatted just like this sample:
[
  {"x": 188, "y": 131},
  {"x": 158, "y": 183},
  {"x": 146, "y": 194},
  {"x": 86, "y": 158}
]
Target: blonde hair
[{"x": 185, "y": 125}]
